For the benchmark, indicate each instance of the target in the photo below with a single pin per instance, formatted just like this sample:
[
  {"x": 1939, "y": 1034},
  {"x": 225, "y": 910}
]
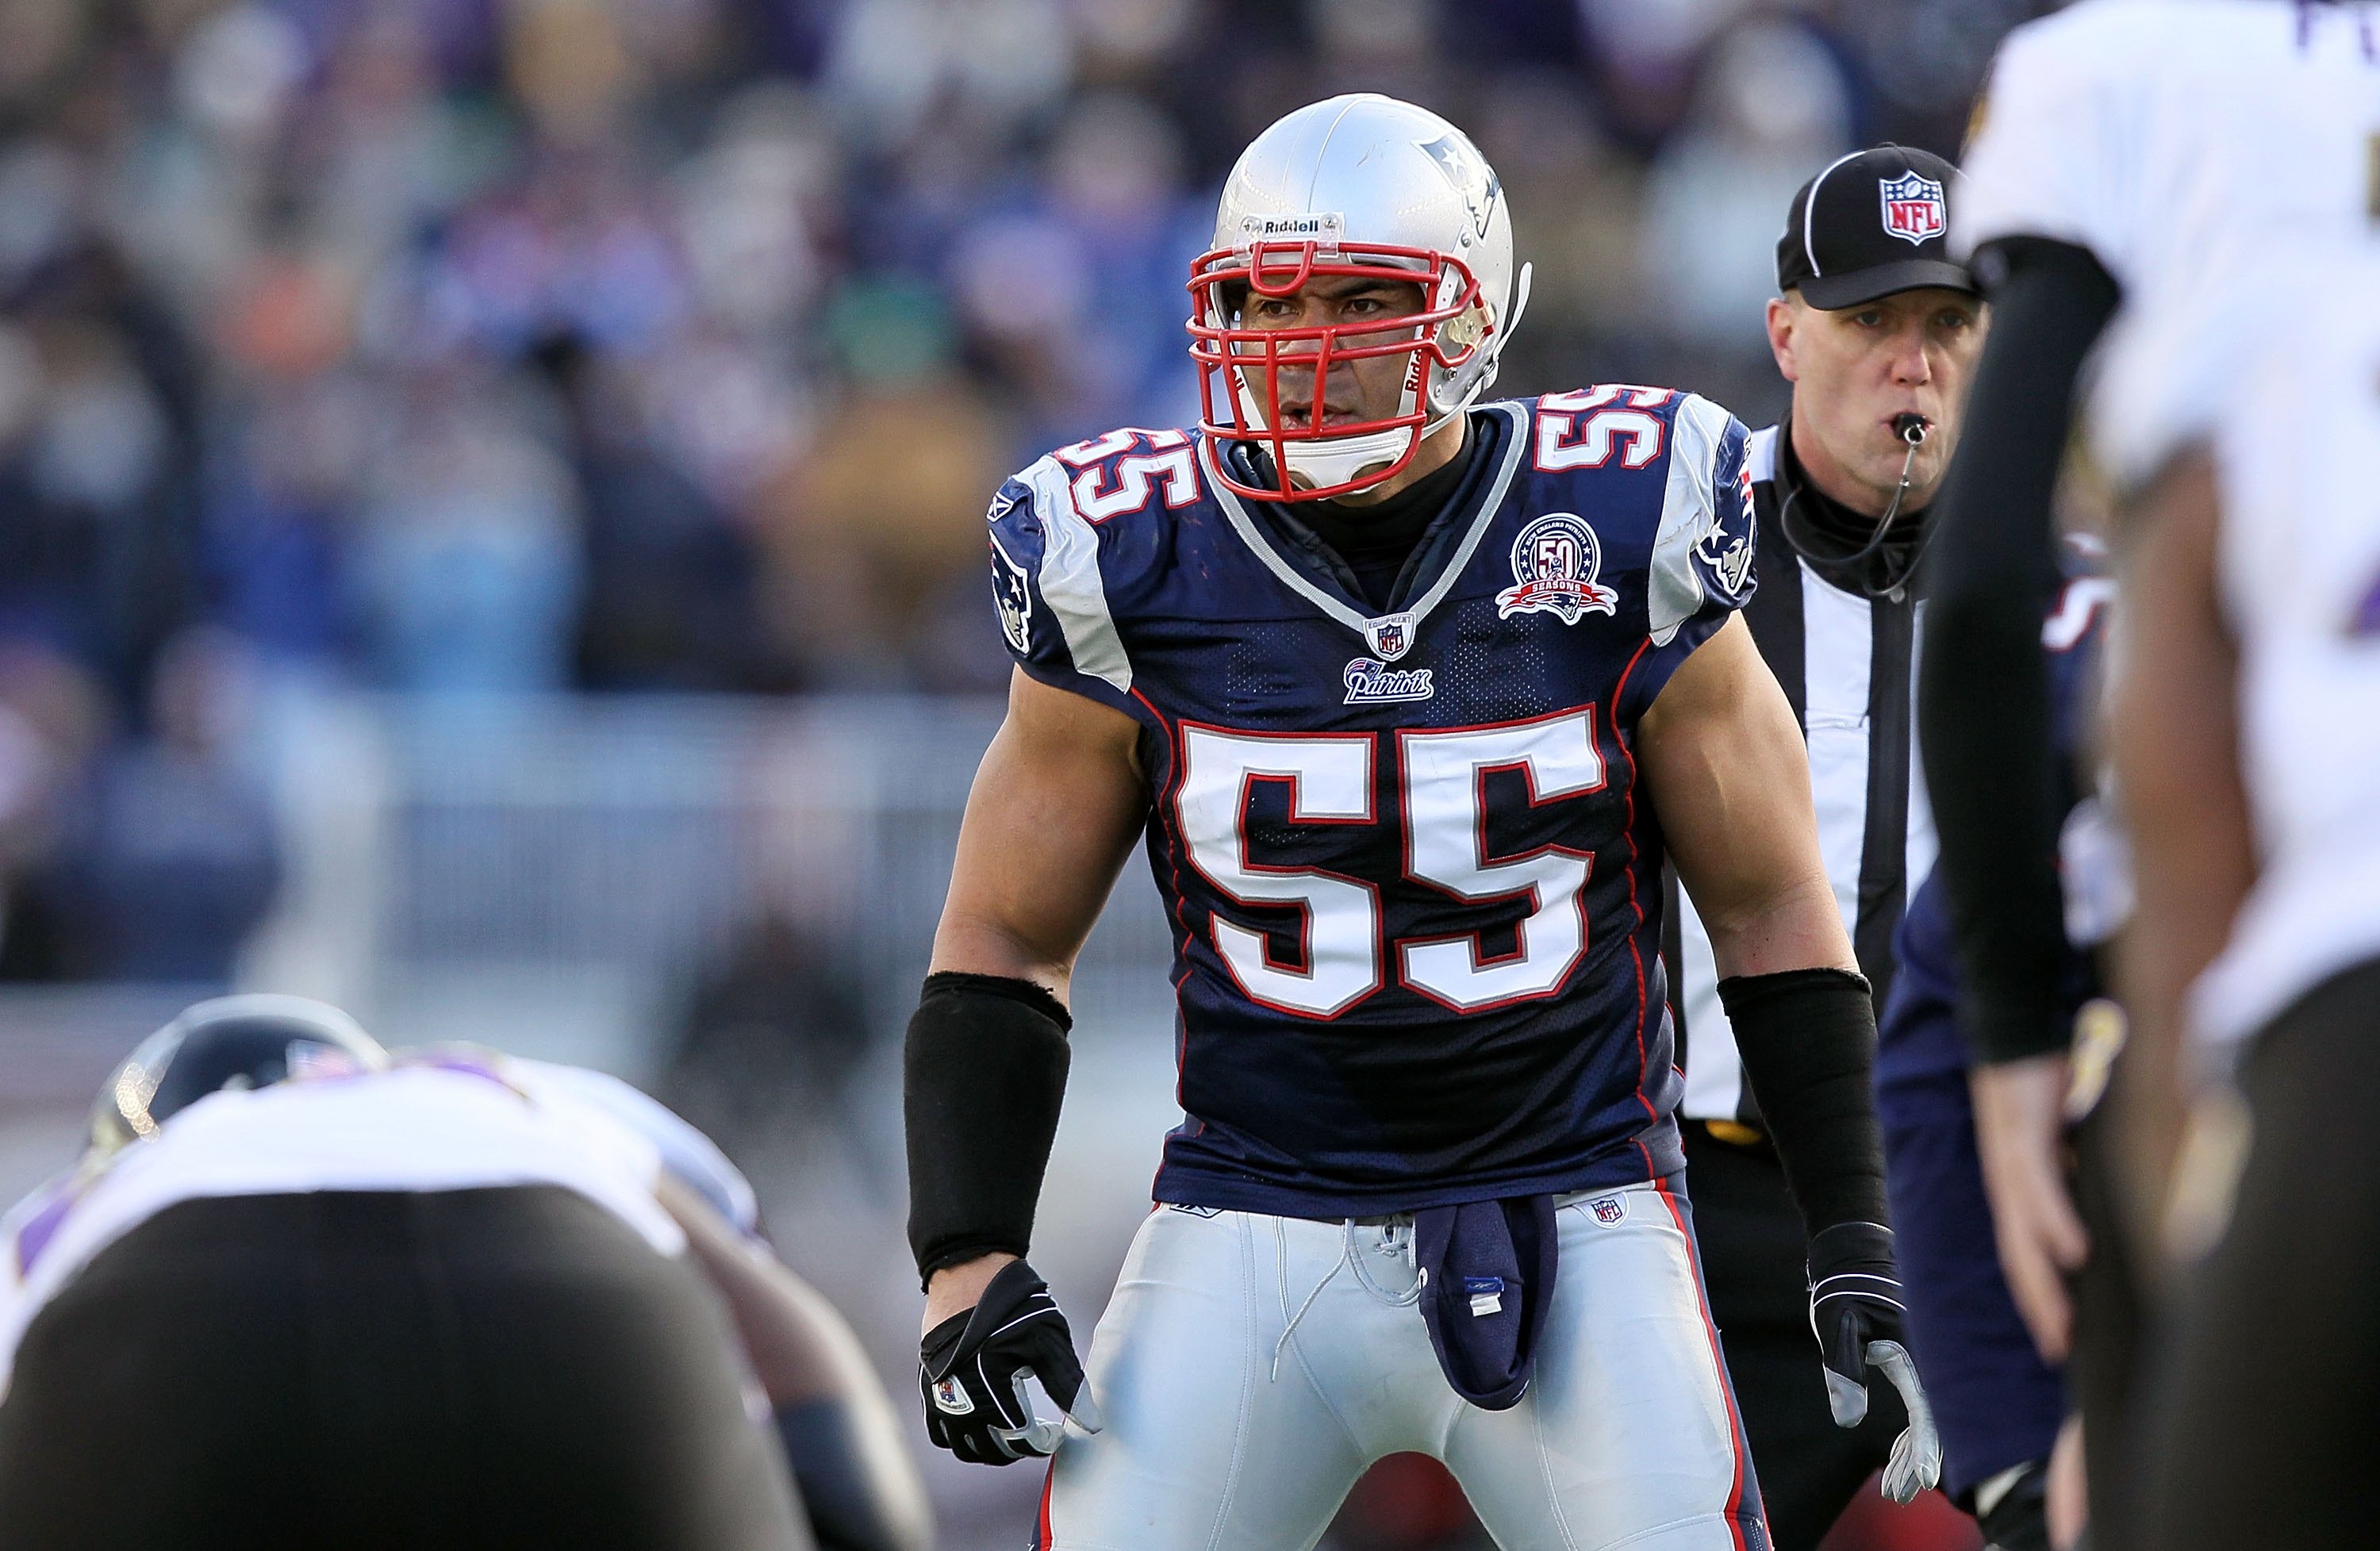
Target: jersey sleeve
[
  {"x": 2052, "y": 145},
  {"x": 683, "y": 1150},
  {"x": 1048, "y": 584},
  {"x": 1701, "y": 567}
]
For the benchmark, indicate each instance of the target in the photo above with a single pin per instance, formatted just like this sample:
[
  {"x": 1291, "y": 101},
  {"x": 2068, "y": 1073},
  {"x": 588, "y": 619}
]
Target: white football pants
[{"x": 1249, "y": 1368}]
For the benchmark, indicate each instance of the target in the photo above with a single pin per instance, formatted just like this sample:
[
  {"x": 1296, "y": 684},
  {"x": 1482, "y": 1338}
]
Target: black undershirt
[
  {"x": 1831, "y": 536},
  {"x": 1376, "y": 541}
]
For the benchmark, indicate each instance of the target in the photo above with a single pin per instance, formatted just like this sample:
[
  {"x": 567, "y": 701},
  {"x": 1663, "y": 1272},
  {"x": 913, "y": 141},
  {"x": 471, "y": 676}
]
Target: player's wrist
[{"x": 952, "y": 1291}]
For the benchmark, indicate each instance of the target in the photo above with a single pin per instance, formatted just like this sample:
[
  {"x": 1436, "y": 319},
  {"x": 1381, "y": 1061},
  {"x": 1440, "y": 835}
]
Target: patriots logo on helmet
[
  {"x": 1915, "y": 210},
  {"x": 1470, "y": 174},
  {"x": 1554, "y": 563}
]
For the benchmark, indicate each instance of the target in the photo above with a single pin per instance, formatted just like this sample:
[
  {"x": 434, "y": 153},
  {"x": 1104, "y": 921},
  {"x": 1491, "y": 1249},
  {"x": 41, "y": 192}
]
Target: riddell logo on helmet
[{"x": 1322, "y": 228}]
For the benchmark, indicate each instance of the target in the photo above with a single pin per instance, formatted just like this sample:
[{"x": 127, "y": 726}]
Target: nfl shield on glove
[{"x": 973, "y": 1366}]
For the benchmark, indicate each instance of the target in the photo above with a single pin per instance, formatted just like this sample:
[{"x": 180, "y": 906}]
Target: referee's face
[{"x": 1854, "y": 369}]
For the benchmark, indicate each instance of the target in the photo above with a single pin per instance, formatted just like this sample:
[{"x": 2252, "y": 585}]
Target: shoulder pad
[{"x": 1063, "y": 530}]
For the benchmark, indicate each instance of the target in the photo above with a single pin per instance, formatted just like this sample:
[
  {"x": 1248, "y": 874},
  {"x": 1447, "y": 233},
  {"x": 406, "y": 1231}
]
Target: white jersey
[
  {"x": 2299, "y": 558},
  {"x": 471, "y": 1123},
  {"x": 2186, "y": 144}
]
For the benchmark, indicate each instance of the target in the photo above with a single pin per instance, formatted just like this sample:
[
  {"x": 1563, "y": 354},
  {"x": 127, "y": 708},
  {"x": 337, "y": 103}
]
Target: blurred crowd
[{"x": 512, "y": 346}]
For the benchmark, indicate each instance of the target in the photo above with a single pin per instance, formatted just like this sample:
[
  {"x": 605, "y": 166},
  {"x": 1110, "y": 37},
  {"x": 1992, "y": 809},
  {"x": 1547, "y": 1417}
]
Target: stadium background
[{"x": 489, "y": 496}]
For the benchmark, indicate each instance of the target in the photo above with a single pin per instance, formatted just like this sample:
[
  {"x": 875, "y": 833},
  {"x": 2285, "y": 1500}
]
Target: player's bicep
[
  {"x": 1724, "y": 764},
  {"x": 1055, "y": 809}
]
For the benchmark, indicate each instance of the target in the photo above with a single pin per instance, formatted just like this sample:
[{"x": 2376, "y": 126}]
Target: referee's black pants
[
  {"x": 2265, "y": 1430},
  {"x": 476, "y": 1370},
  {"x": 1755, "y": 1265}
]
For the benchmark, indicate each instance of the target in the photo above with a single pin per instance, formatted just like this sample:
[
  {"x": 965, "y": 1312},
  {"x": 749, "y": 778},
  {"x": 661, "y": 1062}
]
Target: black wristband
[
  {"x": 1985, "y": 717},
  {"x": 1807, "y": 1037},
  {"x": 983, "y": 1073}
]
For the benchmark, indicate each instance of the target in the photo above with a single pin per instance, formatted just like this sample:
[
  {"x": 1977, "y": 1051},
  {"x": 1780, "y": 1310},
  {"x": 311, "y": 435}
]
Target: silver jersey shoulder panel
[
  {"x": 1672, "y": 589},
  {"x": 1070, "y": 578}
]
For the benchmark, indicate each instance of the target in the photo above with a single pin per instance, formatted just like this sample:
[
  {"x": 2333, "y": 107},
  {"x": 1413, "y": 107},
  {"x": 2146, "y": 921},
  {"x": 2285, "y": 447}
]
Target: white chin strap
[{"x": 1337, "y": 459}]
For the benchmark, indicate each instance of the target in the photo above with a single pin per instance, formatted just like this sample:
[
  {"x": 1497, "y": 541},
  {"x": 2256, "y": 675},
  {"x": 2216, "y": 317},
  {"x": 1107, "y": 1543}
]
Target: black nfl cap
[{"x": 1873, "y": 223}]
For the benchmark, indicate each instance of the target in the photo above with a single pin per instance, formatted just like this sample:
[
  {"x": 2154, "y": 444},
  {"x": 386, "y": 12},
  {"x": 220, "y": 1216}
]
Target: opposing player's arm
[
  {"x": 859, "y": 1486},
  {"x": 1722, "y": 756}
]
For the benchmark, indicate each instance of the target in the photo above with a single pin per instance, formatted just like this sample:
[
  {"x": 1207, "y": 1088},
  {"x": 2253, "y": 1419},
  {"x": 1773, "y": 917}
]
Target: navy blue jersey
[{"x": 1413, "y": 888}]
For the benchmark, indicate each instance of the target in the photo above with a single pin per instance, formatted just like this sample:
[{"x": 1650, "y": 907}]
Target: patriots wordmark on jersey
[{"x": 1415, "y": 896}]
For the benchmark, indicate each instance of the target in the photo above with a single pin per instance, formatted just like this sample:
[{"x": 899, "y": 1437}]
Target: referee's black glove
[
  {"x": 973, "y": 1367},
  {"x": 1855, "y": 1312}
]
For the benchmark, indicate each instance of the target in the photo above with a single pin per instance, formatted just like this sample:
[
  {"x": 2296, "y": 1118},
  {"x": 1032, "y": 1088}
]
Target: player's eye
[
  {"x": 1870, "y": 319},
  {"x": 1952, "y": 321}
]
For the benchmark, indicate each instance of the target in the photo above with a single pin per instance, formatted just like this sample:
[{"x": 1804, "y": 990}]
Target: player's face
[
  {"x": 1855, "y": 369},
  {"x": 1368, "y": 388}
]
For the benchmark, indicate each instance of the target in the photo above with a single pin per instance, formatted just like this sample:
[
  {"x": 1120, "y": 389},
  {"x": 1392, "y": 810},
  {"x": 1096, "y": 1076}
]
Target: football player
[
  {"x": 1408, "y": 695},
  {"x": 1877, "y": 329},
  {"x": 299, "y": 1293},
  {"x": 2246, "y": 735},
  {"x": 2138, "y": 159}
]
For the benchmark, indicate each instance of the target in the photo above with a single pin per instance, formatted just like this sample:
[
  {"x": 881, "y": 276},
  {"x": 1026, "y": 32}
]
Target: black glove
[
  {"x": 1855, "y": 1312},
  {"x": 973, "y": 1367}
]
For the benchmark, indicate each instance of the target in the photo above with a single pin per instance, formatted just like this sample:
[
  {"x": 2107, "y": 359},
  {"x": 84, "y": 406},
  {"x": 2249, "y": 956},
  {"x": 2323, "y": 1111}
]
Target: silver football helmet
[{"x": 1361, "y": 185}]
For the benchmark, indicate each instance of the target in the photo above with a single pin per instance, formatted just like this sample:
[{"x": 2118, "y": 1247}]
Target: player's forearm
[
  {"x": 983, "y": 1078},
  {"x": 968, "y": 946},
  {"x": 1796, "y": 925},
  {"x": 1807, "y": 1037}
]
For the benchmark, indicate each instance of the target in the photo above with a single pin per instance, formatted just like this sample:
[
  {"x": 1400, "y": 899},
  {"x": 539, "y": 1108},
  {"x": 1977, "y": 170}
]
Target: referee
[{"x": 1878, "y": 331}]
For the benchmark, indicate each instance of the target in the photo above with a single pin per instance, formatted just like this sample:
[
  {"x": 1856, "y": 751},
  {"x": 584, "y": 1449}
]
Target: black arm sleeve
[
  {"x": 1983, "y": 705},
  {"x": 982, "y": 1075},
  {"x": 1808, "y": 1041}
]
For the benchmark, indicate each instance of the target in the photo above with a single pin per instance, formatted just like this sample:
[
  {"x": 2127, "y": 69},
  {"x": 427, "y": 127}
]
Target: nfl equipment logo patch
[
  {"x": 1607, "y": 1209},
  {"x": 1390, "y": 635},
  {"x": 1554, "y": 563},
  {"x": 1915, "y": 210}
]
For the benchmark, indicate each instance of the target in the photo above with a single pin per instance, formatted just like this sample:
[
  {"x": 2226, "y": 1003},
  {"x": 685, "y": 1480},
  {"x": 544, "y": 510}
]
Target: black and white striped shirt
[{"x": 1847, "y": 662}]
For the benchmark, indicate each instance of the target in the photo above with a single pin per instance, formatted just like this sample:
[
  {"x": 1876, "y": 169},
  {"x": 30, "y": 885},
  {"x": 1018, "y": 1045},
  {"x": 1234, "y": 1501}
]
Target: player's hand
[
  {"x": 972, "y": 1369},
  {"x": 2021, "y": 1136},
  {"x": 1855, "y": 1312}
]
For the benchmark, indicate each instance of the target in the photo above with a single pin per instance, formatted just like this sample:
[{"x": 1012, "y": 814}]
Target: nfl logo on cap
[{"x": 1913, "y": 208}]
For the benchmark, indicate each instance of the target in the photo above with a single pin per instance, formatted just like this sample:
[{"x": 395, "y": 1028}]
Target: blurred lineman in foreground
[
  {"x": 2246, "y": 734},
  {"x": 301, "y": 1293},
  {"x": 1393, "y": 680},
  {"x": 1878, "y": 331},
  {"x": 2143, "y": 160}
]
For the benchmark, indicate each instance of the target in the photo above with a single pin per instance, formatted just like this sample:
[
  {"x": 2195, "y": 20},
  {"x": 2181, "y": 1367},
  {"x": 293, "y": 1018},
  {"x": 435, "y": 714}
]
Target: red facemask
[{"x": 1249, "y": 364}]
